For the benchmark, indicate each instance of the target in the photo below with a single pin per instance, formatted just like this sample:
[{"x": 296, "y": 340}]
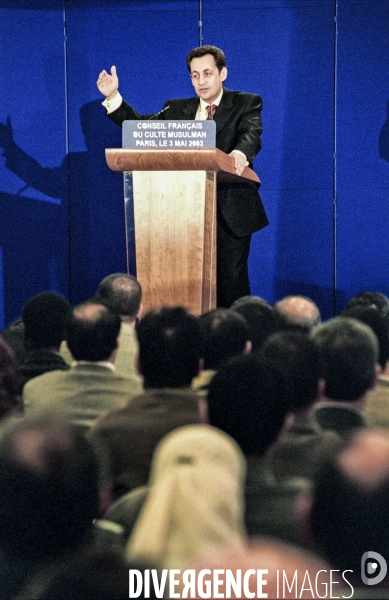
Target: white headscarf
[{"x": 195, "y": 498}]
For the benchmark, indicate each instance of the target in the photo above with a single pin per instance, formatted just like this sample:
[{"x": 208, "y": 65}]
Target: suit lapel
[
  {"x": 223, "y": 111},
  {"x": 189, "y": 111}
]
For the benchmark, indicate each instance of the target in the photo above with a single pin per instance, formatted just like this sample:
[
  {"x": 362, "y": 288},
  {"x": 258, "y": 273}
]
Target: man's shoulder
[
  {"x": 154, "y": 401},
  {"x": 244, "y": 98},
  {"x": 45, "y": 379}
]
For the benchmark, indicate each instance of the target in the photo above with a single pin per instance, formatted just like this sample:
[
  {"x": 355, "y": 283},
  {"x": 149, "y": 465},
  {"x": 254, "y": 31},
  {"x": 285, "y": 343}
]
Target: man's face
[{"x": 207, "y": 80}]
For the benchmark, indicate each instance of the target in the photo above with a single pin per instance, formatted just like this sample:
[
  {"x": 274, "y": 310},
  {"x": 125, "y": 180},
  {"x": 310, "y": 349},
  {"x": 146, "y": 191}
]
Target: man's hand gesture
[{"x": 108, "y": 84}]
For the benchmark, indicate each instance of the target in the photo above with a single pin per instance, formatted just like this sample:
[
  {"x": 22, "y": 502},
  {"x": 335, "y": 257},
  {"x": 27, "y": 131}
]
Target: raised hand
[
  {"x": 108, "y": 84},
  {"x": 6, "y": 133}
]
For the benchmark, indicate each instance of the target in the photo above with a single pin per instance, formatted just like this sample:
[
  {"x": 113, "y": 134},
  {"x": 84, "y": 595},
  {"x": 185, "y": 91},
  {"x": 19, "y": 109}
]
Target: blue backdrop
[{"x": 321, "y": 68}]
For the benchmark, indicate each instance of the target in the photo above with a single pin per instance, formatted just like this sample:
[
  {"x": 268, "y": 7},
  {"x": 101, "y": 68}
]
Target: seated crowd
[{"x": 253, "y": 438}]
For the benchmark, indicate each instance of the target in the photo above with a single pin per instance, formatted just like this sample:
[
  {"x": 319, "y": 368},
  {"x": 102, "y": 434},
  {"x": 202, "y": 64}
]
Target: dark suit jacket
[
  {"x": 342, "y": 420},
  {"x": 131, "y": 433},
  {"x": 238, "y": 127}
]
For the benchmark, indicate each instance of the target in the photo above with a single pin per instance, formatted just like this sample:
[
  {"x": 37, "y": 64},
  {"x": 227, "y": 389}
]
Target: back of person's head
[
  {"x": 297, "y": 313},
  {"x": 169, "y": 347},
  {"x": 250, "y": 299},
  {"x": 10, "y": 381},
  {"x": 93, "y": 574},
  {"x": 195, "y": 497},
  {"x": 247, "y": 399},
  {"x": 224, "y": 334},
  {"x": 349, "y": 514},
  {"x": 219, "y": 56},
  {"x": 44, "y": 317},
  {"x": 374, "y": 319},
  {"x": 349, "y": 354},
  {"x": 49, "y": 488},
  {"x": 123, "y": 292},
  {"x": 373, "y": 299},
  {"x": 92, "y": 331},
  {"x": 296, "y": 356},
  {"x": 259, "y": 317}
]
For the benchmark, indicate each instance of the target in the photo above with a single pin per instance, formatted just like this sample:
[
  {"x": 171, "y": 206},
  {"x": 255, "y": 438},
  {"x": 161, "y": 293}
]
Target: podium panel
[
  {"x": 175, "y": 238},
  {"x": 174, "y": 197}
]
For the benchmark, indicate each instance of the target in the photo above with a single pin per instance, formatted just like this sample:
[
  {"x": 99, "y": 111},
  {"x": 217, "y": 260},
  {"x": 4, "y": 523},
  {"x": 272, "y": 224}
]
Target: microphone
[{"x": 157, "y": 114}]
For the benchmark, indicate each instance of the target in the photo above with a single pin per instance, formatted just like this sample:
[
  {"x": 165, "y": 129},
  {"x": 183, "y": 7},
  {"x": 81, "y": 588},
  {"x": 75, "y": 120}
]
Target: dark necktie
[{"x": 211, "y": 111}]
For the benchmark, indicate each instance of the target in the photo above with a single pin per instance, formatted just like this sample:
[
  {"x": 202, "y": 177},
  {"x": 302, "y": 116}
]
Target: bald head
[
  {"x": 366, "y": 460},
  {"x": 123, "y": 292},
  {"x": 298, "y": 313},
  {"x": 92, "y": 331}
]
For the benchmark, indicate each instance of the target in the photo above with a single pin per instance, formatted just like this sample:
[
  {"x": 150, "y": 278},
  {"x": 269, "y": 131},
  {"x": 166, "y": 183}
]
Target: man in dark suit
[{"x": 238, "y": 128}]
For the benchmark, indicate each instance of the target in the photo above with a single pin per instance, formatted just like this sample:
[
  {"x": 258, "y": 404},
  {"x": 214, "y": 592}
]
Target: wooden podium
[{"x": 174, "y": 194}]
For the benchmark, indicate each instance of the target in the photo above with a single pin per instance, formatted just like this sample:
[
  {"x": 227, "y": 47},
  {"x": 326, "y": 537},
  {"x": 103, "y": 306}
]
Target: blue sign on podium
[{"x": 168, "y": 134}]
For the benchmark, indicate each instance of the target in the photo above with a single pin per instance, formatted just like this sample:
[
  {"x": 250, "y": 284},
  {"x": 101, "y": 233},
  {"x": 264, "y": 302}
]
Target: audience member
[
  {"x": 373, "y": 299},
  {"x": 14, "y": 336},
  {"x": 259, "y": 317},
  {"x": 377, "y": 406},
  {"x": 194, "y": 501},
  {"x": 349, "y": 356},
  {"x": 373, "y": 318},
  {"x": 44, "y": 317},
  {"x": 224, "y": 334},
  {"x": 304, "y": 445},
  {"x": 349, "y": 510},
  {"x": 124, "y": 294},
  {"x": 92, "y": 574},
  {"x": 49, "y": 496},
  {"x": 169, "y": 358},
  {"x": 90, "y": 387},
  {"x": 297, "y": 313},
  {"x": 247, "y": 399},
  {"x": 254, "y": 299},
  {"x": 10, "y": 382}
]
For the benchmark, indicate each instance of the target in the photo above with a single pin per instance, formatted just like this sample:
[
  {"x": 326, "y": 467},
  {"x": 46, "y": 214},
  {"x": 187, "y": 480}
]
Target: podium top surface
[{"x": 196, "y": 159}]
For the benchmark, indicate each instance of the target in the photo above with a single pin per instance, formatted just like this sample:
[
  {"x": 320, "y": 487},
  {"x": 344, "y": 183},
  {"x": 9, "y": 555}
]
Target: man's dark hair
[
  {"x": 373, "y": 299},
  {"x": 297, "y": 358},
  {"x": 123, "y": 292},
  {"x": 246, "y": 399},
  {"x": 44, "y": 317},
  {"x": 374, "y": 319},
  {"x": 259, "y": 317},
  {"x": 92, "y": 331},
  {"x": 48, "y": 488},
  {"x": 348, "y": 353},
  {"x": 348, "y": 518},
  {"x": 224, "y": 334},
  {"x": 169, "y": 347},
  {"x": 219, "y": 56}
]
